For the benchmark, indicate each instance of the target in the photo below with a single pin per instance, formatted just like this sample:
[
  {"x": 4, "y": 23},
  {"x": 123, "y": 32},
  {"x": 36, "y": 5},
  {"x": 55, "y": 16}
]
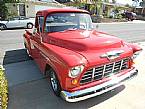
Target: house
[
  {"x": 141, "y": 9},
  {"x": 29, "y": 8},
  {"x": 95, "y": 7}
]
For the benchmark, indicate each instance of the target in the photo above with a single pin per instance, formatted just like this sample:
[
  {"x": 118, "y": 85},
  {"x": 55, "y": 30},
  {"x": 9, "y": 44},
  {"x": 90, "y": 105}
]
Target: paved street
[{"x": 28, "y": 89}]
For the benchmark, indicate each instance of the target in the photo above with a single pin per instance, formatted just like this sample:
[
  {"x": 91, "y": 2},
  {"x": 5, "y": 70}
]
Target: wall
[{"x": 30, "y": 9}]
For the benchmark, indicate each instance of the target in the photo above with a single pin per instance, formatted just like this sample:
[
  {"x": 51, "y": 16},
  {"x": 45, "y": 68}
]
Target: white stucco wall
[
  {"x": 33, "y": 7},
  {"x": 30, "y": 9}
]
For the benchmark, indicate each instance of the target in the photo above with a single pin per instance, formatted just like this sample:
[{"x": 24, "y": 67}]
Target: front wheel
[
  {"x": 29, "y": 26},
  {"x": 3, "y": 27},
  {"x": 54, "y": 82}
]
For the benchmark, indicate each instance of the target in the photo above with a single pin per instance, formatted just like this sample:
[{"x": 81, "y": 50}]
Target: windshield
[{"x": 68, "y": 21}]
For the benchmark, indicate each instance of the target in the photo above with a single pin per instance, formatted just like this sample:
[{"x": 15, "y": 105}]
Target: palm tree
[{"x": 98, "y": 6}]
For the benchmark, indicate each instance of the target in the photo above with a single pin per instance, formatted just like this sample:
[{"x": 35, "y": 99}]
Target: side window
[{"x": 40, "y": 23}]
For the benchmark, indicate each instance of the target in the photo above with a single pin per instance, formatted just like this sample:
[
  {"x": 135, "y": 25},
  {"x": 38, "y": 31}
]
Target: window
[
  {"x": 23, "y": 18},
  {"x": 14, "y": 18},
  {"x": 40, "y": 22},
  {"x": 65, "y": 21}
]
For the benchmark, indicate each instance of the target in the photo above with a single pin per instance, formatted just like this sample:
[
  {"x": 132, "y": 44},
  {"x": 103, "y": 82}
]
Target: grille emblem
[{"x": 112, "y": 54}]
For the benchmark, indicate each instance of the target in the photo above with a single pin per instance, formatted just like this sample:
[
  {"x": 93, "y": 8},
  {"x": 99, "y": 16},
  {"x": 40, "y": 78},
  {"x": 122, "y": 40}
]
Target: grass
[{"x": 3, "y": 89}]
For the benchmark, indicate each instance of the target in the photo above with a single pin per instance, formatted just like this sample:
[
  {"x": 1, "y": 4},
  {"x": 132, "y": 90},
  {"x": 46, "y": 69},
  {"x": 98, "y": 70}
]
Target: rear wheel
[
  {"x": 55, "y": 85},
  {"x": 29, "y": 25}
]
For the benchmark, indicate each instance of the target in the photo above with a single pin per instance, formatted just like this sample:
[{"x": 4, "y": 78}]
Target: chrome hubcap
[
  {"x": 54, "y": 82},
  {"x": 29, "y": 25}
]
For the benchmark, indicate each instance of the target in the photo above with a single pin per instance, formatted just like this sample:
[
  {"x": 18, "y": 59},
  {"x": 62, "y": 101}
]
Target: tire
[
  {"x": 55, "y": 85},
  {"x": 29, "y": 26},
  {"x": 3, "y": 27}
]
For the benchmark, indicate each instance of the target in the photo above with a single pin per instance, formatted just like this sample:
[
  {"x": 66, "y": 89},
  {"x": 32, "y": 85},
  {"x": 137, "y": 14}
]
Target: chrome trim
[
  {"x": 113, "y": 66},
  {"x": 121, "y": 64},
  {"x": 104, "y": 70},
  {"x": 86, "y": 78},
  {"x": 98, "y": 89},
  {"x": 93, "y": 73}
]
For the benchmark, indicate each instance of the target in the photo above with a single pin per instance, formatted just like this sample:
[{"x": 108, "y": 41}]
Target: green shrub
[{"x": 3, "y": 89}]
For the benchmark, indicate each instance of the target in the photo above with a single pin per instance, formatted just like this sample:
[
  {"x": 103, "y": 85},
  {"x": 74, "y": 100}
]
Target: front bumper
[{"x": 99, "y": 89}]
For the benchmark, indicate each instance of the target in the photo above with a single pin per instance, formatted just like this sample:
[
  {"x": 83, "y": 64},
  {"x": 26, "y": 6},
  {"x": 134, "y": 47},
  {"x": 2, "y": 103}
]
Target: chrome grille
[{"x": 100, "y": 72}]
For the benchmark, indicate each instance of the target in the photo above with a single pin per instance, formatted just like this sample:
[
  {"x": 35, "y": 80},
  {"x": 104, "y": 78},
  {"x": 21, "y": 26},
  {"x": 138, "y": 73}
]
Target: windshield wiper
[{"x": 69, "y": 29}]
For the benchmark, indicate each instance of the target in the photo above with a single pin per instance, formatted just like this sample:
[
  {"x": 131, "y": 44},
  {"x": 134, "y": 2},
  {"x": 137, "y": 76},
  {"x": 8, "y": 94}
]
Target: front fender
[
  {"x": 134, "y": 47},
  {"x": 61, "y": 60}
]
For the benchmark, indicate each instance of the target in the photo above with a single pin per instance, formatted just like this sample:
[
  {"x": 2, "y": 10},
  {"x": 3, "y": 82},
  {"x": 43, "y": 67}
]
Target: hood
[{"x": 80, "y": 40}]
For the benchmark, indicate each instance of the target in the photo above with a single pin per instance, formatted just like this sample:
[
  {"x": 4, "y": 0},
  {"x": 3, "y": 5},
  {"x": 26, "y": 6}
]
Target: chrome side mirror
[{"x": 34, "y": 31}]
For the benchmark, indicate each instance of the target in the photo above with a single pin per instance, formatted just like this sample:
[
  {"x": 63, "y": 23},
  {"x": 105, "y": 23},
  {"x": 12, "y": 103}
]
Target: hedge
[{"x": 3, "y": 89}]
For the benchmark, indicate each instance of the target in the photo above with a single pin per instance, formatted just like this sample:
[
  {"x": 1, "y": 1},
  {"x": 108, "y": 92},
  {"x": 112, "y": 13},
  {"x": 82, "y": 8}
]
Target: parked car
[
  {"x": 17, "y": 22},
  {"x": 130, "y": 16},
  {"x": 80, "y": 61}
]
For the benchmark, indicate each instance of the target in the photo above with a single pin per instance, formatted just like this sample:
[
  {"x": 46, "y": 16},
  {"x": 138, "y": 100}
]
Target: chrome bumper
[{"x": 99, "y": 89}]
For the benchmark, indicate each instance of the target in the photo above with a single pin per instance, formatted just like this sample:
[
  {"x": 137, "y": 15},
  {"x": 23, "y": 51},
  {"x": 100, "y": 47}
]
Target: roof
[{"x": 57, "y": 10}]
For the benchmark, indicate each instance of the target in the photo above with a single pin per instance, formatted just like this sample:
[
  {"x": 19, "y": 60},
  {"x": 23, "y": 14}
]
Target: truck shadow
[
  {"x": 15, "y": 56},
  {"x": 39, "y": 95},
  {"x": 86, "y": 104}
]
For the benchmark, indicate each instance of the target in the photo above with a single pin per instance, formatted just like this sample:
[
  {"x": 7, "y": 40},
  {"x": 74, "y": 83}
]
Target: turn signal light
[{"x": 74, "y": 81}]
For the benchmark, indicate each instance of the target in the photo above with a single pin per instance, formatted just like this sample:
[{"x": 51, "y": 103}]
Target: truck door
[{"x": 36, "y": 40}]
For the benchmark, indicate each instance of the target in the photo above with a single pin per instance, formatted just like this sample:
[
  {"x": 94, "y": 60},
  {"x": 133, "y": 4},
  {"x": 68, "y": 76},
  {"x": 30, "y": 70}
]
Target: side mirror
[{"x": 34, "y": 31}]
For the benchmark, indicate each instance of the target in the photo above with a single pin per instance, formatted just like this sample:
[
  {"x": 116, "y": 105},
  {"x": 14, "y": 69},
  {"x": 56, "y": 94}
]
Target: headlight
[
  {"x": 136, "y": 54},
  {"x": 75, "y": 71}
]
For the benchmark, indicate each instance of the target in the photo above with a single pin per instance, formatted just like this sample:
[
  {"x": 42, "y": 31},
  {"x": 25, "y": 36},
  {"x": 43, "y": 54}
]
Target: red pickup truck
[{"x": 80, "y": 61}]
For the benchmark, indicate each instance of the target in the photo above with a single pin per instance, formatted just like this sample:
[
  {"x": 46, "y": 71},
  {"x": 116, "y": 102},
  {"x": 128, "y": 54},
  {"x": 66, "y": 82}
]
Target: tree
[{"x": 3, "y": 8}]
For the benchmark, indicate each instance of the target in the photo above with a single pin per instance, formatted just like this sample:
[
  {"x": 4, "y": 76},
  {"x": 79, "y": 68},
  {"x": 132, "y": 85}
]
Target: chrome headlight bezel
[{"x": 75, "y": 71}]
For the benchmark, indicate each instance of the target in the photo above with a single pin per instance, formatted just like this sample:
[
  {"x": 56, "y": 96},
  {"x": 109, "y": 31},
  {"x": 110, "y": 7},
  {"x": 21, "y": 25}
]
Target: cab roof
[{"x": 57, "y": 10}]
